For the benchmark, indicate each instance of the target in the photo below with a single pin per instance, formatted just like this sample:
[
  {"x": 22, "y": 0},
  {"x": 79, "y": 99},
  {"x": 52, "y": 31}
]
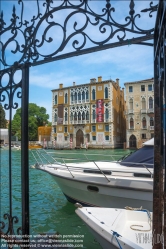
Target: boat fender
[
  {"x": 37, "y": 165},
  {"x": 78, "y": 205},
  {"x": 116, "y": 235}
]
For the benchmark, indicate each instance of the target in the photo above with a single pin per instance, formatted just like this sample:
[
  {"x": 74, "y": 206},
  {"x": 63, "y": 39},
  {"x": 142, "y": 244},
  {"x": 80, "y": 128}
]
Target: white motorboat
[
  {"x": 13, "y": 147},
  {"x": 119, "y": 228},
  {"x": 128, "y": 182}
]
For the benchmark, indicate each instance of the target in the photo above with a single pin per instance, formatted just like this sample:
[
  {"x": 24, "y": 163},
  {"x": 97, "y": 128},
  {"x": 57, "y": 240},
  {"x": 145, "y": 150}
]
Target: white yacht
[{"x": 117, "y": 184}]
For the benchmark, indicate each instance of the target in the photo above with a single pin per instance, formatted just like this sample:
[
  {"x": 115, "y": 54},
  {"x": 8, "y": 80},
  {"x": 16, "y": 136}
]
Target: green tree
[
  {"x": 37, "y": 117},
  {"x": 3, "y": 121}
]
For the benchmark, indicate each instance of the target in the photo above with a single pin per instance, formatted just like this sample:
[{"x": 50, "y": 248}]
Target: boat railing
[
  {"x": 99, "y": 169},
  {"x": 68, "y": 168},
  {"x": 56, "y": 158},
  {"x": 42, "y": 157},
  {"x": 114, "y": 172}
]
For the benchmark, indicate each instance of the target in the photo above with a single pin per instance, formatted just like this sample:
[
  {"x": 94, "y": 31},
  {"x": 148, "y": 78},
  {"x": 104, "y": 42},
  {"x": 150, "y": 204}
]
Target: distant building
[
  {"x": 4, "y": 137},
  {"x": 89, "y": 114},
  {"x": 44, "y": 133},
  {"x": 139, "y": 112}
]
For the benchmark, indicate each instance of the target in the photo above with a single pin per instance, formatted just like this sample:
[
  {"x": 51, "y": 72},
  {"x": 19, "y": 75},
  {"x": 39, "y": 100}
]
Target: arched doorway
[
  {"x": 132, "y": 142},
  {"x": 79, "y": 138}
]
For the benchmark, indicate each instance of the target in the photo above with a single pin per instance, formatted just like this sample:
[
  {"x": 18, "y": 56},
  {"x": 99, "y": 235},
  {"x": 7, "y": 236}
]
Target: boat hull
[
  {"x": 118, "y": 228},
  {"x": 107, "y": 195}
]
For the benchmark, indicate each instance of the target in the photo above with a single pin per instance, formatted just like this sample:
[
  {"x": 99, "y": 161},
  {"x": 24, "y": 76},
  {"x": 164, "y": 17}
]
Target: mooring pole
[{"x": 158, "y": 192}]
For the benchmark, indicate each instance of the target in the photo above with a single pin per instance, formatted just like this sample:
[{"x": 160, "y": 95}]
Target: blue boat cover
[{"x": 145, "y": 156}]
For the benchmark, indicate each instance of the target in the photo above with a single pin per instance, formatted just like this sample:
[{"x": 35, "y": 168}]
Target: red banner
[{"x": 100, "y": 110}]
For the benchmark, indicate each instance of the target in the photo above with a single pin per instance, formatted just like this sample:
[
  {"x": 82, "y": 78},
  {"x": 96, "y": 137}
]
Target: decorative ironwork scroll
[
  {"x": 8, "y": 93},
  {"x": 29, "y": 36},
  {"x": 159, "y": 197}
]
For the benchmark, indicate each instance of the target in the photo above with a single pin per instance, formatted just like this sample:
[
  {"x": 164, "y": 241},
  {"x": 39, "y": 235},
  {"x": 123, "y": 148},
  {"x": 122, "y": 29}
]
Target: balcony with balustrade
[
  {"x": 79, "y": 122},
  {"x": 143, "y": 111},
  {"x": 80, "y": 101},
  {"x": 151, "y": 110},
  {"x": 130, "y": 111}
]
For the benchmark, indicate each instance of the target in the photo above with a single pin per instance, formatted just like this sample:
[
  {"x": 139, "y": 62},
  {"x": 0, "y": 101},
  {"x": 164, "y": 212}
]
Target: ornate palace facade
[
  {"x": 90, "y": 114},
  {"x": 139, "y": 112}
]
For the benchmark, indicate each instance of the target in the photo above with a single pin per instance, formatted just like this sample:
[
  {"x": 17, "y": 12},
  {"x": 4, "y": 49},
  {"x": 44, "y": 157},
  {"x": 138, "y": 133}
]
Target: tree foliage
[
  {"x": 37, "y": 117},
  {"x": 3, "y": 121}
]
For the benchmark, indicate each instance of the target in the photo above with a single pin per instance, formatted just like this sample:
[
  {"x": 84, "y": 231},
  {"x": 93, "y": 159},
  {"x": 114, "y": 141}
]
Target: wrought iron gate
[{"x": 30, "y": 56}]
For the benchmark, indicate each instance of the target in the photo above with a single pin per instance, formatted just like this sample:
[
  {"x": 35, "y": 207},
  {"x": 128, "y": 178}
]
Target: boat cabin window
[
  {"x": 106, "y": 172},
  {"x": 93, "y": 188},
  {"x": 142, "y": 175}
]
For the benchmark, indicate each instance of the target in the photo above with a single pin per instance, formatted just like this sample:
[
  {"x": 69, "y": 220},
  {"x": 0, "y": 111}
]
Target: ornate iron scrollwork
[
  {"x": 7, "y": 231},
  {"x": 10, "y": 90},
  {"x": 29, "y": 50}
]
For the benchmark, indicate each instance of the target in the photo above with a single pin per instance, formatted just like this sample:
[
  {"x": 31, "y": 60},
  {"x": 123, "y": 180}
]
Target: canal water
[{"x": 50, "y": 212}]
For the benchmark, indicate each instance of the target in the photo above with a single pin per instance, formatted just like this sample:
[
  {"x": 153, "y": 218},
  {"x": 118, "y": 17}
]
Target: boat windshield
[{"x": 145, "y": 156}]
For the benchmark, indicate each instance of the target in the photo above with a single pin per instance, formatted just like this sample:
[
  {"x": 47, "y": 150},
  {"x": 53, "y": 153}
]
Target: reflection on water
[{"x": 50, "y": 212}]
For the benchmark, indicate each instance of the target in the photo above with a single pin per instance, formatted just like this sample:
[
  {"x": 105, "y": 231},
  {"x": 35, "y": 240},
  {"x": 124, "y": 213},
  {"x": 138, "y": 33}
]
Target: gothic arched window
[
  {"x": 79, "y": 96},
  {"x": 56, "y": 100},
  {"x": 71, "y": 117},
  {"x": 75, "y": 96},
  {"x": 55, "y": 117},
  {"x": 144, "y": 123},
  {"x": 93, "y": 94},
  {"x": 87, "y": 95},
  {"x": 79, "y": 116},
  {"x": 131, "y": 123},
  {"x": 65, "y": 116},
  {"x": 65, "y": 98},
  {"x": 106, "y": 114},
  {"x": 131, "y": 104},
  {"x": 94, "y": 114},
  {"x": 75, "y": 116},
  {"x": 87, "y": 115},
  {"x": 83, "y": 95},
  {"x": 143, "y": 104},
  {"x": 83, "y": 116},
  {"x": 151, "y": 121},
  {"x": 106, "y": 92},
  {"x": 150, "y": 103}
]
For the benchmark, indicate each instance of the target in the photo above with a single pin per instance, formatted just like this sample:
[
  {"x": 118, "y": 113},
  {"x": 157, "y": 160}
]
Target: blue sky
[{"x": 128, "y": 63}]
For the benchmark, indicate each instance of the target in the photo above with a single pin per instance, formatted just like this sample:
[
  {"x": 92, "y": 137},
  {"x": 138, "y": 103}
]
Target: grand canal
[{"x": 50, "y": 212}]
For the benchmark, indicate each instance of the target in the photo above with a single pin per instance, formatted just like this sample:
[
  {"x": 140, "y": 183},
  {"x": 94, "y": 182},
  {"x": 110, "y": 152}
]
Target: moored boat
[
  {"x": 104, "y": 183},
  {"x": 128, "y": 182},
  {"x": 35, "y": 146},
  {"x": 119, "y": 228}
]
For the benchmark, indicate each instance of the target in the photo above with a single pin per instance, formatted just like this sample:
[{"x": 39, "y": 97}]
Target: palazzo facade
[
  {"x": 90, "y": 115},
  {"x": 139, "y": 112}
]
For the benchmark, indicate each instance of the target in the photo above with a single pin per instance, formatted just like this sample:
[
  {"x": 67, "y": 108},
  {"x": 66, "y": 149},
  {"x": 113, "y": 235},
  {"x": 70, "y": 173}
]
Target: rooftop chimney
[
  {"x": 61, "y": 85},
  {"x": 92, "y": 80},
  {"x": 99, "y": 78},
  {"x": 74, "y": 83},
  {"x": 117, "y": 81}
]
